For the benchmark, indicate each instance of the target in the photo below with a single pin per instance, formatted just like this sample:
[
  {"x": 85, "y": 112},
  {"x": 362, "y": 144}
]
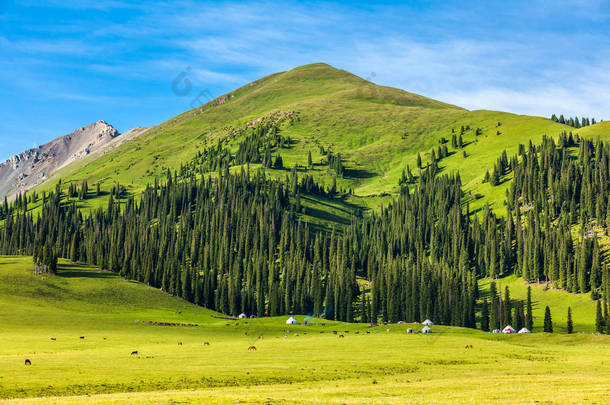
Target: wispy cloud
[{"x": 112, "y": 59}]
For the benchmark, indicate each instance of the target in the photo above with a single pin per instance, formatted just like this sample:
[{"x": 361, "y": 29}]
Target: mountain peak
[{"x": 28, "y": 169}]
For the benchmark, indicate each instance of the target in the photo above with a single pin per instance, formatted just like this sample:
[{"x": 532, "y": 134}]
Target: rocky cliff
[{"x": 25, "y": 170}]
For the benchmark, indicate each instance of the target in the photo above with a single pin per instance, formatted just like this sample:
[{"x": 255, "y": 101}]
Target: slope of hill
[
  {"x": 26, "y": 170},
  {"x": 378, "y": 131}
]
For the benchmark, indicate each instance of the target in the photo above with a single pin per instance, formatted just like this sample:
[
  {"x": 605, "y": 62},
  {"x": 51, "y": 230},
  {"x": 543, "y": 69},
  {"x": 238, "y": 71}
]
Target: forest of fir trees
[{"x": 234, "y": 243}]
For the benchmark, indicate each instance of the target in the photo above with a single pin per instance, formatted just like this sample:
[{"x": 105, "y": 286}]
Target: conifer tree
[
  {"x": 570, "y": 325},
  {"x": 599, "y": 318},
  {"x": 485, "y": 316},
  {"x": 548, "y": 321}
]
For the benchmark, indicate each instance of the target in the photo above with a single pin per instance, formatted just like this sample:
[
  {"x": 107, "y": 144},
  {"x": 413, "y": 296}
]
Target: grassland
[
  {"x": 312, "y": 368},
  {"x": 558, "y": 301}
]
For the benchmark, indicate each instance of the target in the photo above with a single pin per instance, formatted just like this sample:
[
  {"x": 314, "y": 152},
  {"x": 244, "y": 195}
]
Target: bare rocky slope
[{"x": 30, "y": 168}]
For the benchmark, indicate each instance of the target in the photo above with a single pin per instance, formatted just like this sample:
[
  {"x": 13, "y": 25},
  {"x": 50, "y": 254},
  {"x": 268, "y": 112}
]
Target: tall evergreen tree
[
  {"x": 570, "y": 325},
  {"x": 548, "y": 321}
]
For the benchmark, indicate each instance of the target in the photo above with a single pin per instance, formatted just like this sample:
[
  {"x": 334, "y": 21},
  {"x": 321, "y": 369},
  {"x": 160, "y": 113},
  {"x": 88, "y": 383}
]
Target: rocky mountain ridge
[{"x": 27, "y": 169}]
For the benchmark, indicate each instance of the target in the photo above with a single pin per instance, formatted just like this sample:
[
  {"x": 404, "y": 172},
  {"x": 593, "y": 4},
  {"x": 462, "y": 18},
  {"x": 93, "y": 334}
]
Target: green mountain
[
  {"x": 378, "y": 131},
  {"x": 189, "y": 210}
]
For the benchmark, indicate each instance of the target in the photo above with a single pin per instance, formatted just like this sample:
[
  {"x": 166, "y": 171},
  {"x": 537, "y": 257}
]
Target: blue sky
[{"x": 64, "y": 64}]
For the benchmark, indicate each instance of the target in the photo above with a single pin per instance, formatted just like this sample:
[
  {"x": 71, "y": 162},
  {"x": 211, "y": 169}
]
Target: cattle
[
  {"x": 28, "y": 362},
  {"x": 252, "y": 348},
  {"x": 341, "y": 336},
  {"x": 468, "y": 346},
  {"x": 206, "y": 343},
  {"x": 82, "y": 337},
  {"x": 179, "y": 343},
  {"x": 135, "y": 352}
]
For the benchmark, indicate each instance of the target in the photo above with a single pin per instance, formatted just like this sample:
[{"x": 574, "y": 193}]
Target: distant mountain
[{"x": 32, "y": 167}]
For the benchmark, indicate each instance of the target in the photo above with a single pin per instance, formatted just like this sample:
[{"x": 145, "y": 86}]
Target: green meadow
[{"x": 292, "y": 364}]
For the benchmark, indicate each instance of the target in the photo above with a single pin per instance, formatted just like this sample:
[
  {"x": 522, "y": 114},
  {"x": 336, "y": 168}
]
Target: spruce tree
[
  {"x": 548, "y": 321},
  {"x": 506, "y": 308},
  {"x": 599, "y": 318},
  {"x": 570, "y": 325},
  {"x": 485, "y": 316},
  {"x": 529, "y": 318}
]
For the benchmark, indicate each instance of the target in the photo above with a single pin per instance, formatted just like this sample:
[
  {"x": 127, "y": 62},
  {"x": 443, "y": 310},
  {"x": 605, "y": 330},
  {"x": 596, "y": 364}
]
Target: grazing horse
[
  {"x": 341, "y": 336},
  {"x": 28, "y": 362},
  {"x": 134, "y": 352},
  {"x": 82, "y": 337},
  {"x": 468, "y": 346},
  {"x": 53, "y": 339},
  {"x": 206, "y": 343},
  {"x": 179, "y": 343},
  {"x": 252, "y": 348}
]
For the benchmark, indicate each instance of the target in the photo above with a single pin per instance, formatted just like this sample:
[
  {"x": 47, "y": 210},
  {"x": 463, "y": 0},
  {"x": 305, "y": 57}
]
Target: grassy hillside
[
  {"x": 583, "y": 307},
  {"x": 307, "y": 365},
  {"x": 378, "y": 130}
]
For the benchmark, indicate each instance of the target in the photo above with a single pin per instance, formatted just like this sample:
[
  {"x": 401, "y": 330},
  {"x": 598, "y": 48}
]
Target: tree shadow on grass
[
  {"x": 358, "y": 174},
  {"x": 75, "y": 270}
]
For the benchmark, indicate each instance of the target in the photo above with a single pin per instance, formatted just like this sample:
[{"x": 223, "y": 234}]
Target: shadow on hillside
[
  {"x": 74, "y": 270},
  {"x": 325, "y": 215},
  {"x": 358, "y": 174}
]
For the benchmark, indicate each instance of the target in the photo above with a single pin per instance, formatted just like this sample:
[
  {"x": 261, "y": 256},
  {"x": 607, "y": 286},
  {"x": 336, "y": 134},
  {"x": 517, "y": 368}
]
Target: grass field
[
  {"x": 583, "y": 307},
  {"x": 315, "y": 367}
]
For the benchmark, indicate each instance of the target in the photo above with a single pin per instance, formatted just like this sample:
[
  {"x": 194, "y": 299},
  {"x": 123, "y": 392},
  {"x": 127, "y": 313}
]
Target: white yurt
[
  {"x": 496, "y": 331},
  {"x": 242, "y": 316},
  {"x": 427, "y": 322},
  {"x": 426, "y": 329},
  {"x": 409, "y": 330},
  {"x": 524, "y": 330},
  {"x": 508, "y": 330},
  {"x": 291, "y": 321}
]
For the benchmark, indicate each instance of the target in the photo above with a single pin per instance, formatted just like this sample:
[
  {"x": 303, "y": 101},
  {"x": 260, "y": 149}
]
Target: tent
[
  {"x": 426, "y": 329},
  {"x": 427, "y": 322},
  {"x": 291, "y": 321},
  {"x": 524, "y": 330},
  {"x": 496, "y": 331},
  {"x": 242, "y": 316},
  {"x": 508, "y": 330},
  {"x": 409, "y": 330}
]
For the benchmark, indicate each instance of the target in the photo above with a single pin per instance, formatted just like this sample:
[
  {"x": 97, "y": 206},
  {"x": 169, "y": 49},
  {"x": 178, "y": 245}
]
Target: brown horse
[
  {"x": 206, "y": 343},
  {"x": 135, "y": 352},
  {"x": 179, "y": 343},
  {"x": 252, "y": 348}
]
